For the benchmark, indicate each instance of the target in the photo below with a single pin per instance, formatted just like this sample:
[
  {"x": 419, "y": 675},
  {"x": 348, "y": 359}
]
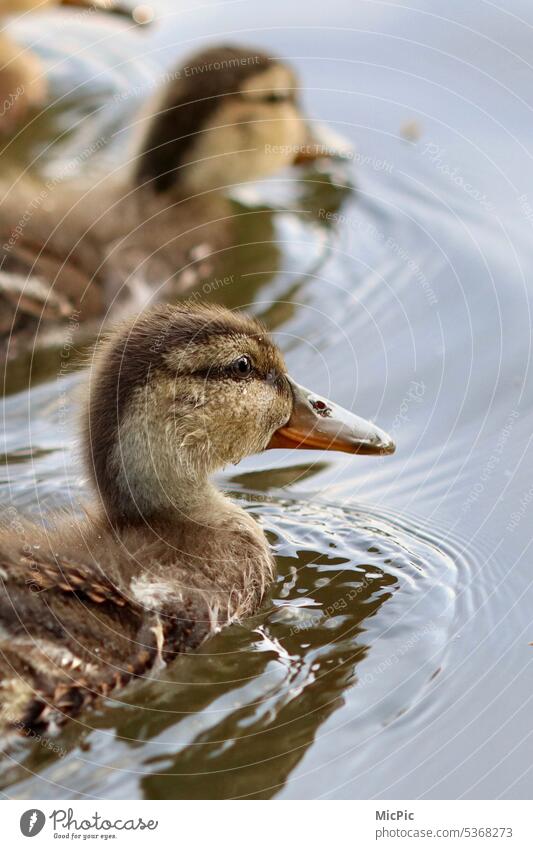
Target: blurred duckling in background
[
  {"x": 22, "y": 76},
  {"x": 161, "y": 559},
  {"x": 227, "y": 116}
]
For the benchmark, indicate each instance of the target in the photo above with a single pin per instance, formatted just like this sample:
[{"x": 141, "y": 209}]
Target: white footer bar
[{"x": 250, "y": 825}]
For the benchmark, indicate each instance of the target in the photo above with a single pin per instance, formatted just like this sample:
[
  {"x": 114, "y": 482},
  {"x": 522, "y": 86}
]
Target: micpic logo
[{"x": 31, "y": 822}]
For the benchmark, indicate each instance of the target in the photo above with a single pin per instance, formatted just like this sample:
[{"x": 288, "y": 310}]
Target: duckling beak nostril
[{"x": 316, "y": 423}]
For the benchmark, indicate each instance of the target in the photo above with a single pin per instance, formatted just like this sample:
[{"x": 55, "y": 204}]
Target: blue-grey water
[{"x": 392, "y": 658}]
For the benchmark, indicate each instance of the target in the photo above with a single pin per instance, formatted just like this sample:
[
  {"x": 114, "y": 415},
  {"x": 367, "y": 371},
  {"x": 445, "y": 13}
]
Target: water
[{"x": 392, "y": 658}]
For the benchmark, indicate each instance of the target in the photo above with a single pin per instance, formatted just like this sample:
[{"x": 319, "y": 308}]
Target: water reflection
[
  {"x": 237, "y": 717},
  {"x": 418, "y": 281}
]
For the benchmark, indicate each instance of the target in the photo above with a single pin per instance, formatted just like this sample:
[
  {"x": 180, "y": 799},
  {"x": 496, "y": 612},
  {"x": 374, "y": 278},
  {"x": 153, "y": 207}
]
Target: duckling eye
[
  {"x": 242, "y": 367},
  {"x": 276, "y": 97}
]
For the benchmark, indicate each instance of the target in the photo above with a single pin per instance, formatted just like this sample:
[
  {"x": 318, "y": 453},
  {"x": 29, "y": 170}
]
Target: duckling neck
[
  {"x": 199, "y": 501},
  {"x": 189, "y": 500},
  {"x": 213, "y": 535}
]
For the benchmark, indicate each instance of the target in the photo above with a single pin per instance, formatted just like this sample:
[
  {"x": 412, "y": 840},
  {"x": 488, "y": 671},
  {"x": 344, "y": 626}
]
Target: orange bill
[
  {"x": 322, "y": 143},
  {"x": 317, "y": 423},
  {"x": 311, "y": 149}
]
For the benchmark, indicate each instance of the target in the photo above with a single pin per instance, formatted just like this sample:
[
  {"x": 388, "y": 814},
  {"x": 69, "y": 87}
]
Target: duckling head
[
  {"x": 183, "y": 391},
  {"x": 229, "y": 115}
]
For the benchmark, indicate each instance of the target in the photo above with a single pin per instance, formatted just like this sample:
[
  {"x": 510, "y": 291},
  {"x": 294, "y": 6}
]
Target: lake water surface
[{"x": 392, "y": 658}]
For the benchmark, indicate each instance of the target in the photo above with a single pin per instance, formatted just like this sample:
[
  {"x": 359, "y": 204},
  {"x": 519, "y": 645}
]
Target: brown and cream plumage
[
  {"x": 227, "y": 115},
  {"x": 160, "y": 559}
]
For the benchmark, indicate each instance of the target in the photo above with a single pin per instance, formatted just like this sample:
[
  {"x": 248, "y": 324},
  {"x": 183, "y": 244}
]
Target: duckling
[
  {"x": 22, "y": 76},
  {"x": 160, "y": 559},
  {"x": 227, "y": 116}
]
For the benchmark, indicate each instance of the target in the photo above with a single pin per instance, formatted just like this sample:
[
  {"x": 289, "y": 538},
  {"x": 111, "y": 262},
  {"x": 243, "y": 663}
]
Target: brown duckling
[
  {"x": 161, "y": 559},
  {"x": 22, "y": 77},
  {"x": 227, "y": 116}
]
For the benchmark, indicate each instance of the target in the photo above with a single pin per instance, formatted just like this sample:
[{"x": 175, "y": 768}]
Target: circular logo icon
[{"x": 32, "y": 822}]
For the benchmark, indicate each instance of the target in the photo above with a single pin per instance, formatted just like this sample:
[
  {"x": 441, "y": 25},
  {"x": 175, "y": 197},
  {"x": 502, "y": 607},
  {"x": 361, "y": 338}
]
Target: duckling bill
[
  {"x": 324, "y": 426},
  {"x": 160, "y": 559}
]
